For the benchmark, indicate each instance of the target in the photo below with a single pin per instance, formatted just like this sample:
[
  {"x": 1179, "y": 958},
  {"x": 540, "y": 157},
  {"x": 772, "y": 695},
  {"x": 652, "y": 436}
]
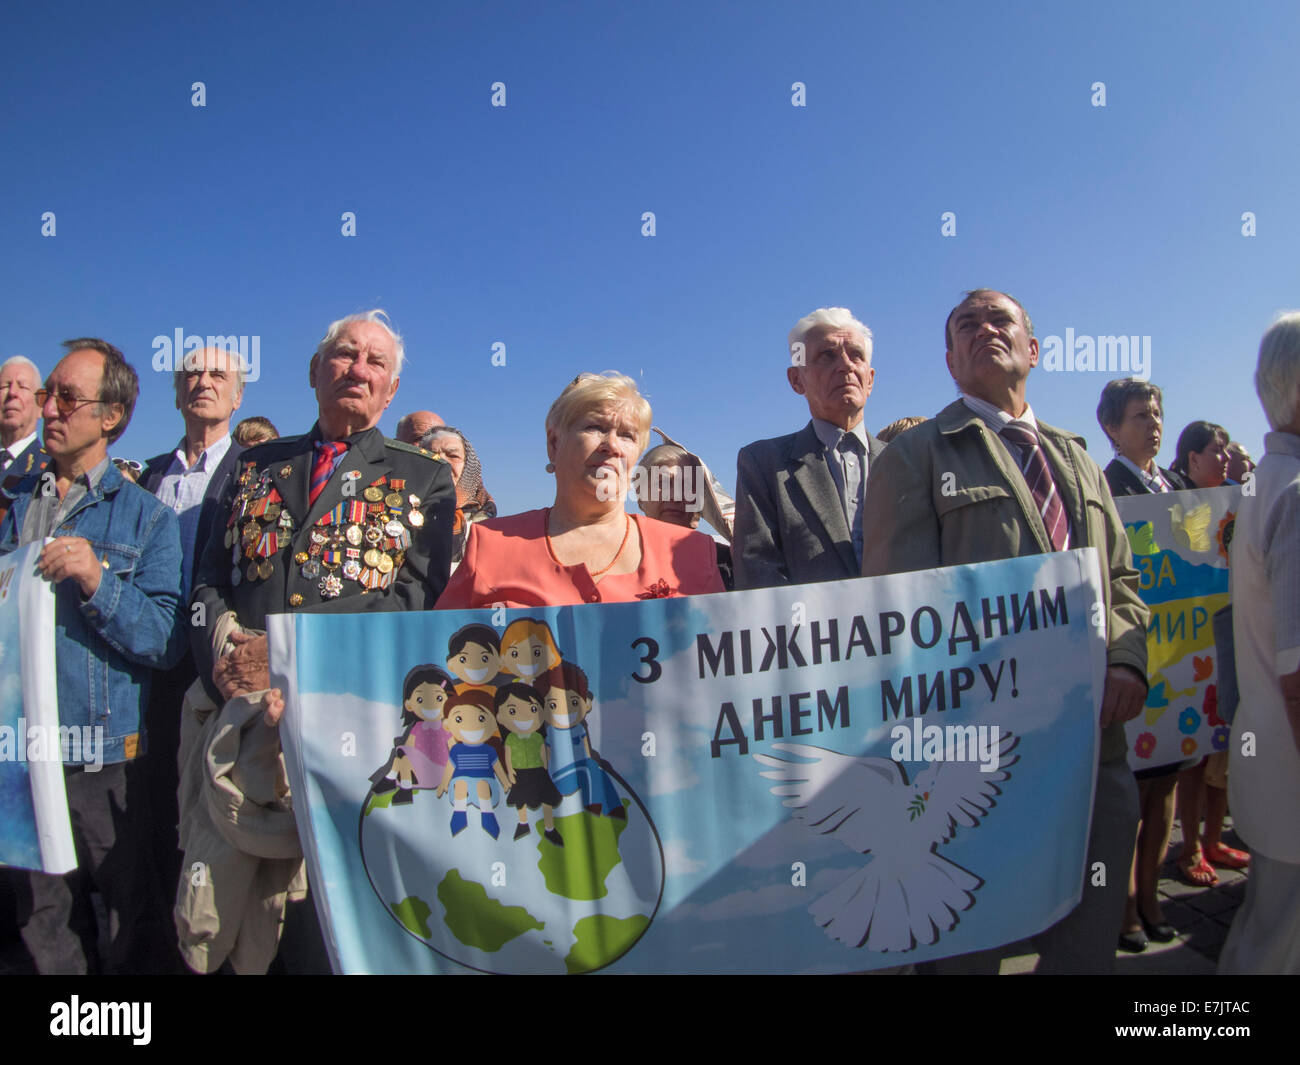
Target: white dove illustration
[{"x": 906, "y": 894}]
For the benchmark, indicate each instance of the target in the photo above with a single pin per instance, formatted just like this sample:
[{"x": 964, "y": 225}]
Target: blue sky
[{"x": 522, "y": 225}]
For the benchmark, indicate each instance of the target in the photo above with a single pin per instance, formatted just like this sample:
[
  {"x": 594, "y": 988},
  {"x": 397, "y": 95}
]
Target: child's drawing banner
[
  {"x": 822, "y": 778},
  {"x": 1180, "y": 550}
]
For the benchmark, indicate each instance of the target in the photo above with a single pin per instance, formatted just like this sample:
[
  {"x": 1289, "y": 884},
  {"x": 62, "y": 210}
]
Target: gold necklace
[{"x": 550, "y": 548}]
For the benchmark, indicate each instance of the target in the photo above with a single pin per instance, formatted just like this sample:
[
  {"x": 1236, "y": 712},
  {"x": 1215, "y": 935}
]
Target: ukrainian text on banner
[
  {"x": 1180, "y": 550},
  {"x": 828, "y": 777},
  {"x": 34, "y": 828}
]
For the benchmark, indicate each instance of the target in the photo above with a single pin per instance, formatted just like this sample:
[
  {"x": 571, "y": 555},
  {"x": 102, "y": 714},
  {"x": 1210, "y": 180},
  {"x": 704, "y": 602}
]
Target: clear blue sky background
[{"x": 522, "y": 225}]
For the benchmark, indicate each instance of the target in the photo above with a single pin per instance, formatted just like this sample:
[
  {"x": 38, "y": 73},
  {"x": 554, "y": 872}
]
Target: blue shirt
[{"x": 107, "y": 647}]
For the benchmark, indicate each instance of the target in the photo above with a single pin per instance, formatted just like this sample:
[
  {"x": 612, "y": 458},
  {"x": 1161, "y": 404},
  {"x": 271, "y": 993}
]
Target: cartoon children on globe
[
  {"x": 519, "y": 711},
  {"x": 451, "y": 740},
  {"x": 420, "y": 754},
  {"x": 472, "y": 763},
  {"x": 567, "y": 700}
]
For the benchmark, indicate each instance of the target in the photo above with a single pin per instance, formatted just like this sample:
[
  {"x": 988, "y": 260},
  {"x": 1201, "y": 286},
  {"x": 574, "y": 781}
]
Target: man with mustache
[{"x": 985, "y": 480}]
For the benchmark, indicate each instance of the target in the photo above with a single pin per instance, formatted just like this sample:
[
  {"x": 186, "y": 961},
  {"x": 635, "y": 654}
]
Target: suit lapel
[
  {"x": 291, "y": 477},
  {"x": 810, "y": 472}
]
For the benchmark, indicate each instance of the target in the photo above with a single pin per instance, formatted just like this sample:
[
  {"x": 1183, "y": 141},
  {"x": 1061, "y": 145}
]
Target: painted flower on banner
[
  {"x": 1224, "y": 536},
  {"x": 1189, "y": 721},
  {"x": 1189, "y": 746},
  {"x": 1220, "y": 738},
  {"x": 1145, "y": 746}
]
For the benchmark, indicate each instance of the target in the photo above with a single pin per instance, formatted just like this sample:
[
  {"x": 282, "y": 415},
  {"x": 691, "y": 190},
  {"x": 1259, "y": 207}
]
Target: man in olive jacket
[{"x": 984, "y": 480}]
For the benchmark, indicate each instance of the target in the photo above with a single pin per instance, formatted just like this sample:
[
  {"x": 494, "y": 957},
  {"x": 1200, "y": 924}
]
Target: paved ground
[{"x": 1201, "y": 915}]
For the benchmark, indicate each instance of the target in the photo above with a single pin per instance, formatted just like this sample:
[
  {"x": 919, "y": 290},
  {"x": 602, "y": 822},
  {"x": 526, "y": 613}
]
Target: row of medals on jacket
[{"x": 360, "y": 540}]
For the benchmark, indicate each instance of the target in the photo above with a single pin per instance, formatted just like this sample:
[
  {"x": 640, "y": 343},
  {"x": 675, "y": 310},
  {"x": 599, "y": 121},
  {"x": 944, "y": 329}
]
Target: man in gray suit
[{"x": 799, "y": 498}]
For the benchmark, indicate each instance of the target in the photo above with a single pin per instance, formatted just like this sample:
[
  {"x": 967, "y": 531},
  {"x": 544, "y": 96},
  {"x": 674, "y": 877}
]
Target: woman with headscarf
[{"x": 473, "y": 503}]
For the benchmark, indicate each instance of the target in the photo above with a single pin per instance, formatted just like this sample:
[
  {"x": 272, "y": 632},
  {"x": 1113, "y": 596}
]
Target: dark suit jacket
[
  {"x": 32, "y": 459},
  {"x": 790, "y": 526},
  {"x": 220, "y": 480},
  {"x": 419, "y": 571},
  {"x": 1123, "y": 482}
]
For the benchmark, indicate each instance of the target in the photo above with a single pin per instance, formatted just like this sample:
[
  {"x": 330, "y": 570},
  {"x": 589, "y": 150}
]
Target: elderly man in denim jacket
[{"x": 114, "y": 557}]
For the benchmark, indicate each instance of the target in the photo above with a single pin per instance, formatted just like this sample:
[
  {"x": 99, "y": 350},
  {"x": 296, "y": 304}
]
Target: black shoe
[
  {"x": 404, "y": 797},
  {"x": 522, "y": 830},
  {"x": 384, "y": 785},
  {"x": 553, "y": 836},
  {"x": 1133, "y": 942},
  {"x": 1158, "y": 933}
]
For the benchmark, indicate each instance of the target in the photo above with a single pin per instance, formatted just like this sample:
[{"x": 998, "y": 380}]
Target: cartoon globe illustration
[{"x": 517, "y": 903}]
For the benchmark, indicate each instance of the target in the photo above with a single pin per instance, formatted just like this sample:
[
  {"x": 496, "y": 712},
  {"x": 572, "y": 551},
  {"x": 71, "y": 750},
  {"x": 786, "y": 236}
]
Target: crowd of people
[{"x": 163, "y": 588}]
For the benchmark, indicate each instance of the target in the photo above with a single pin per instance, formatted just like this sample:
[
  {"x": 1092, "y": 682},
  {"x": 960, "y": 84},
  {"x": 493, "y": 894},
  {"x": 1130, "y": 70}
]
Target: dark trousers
[{"x": 56, "y": 914}]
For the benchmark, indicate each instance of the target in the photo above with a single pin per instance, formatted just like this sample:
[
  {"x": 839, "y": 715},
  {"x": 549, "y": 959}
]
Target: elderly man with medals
[{"x": 340, "y": 520}]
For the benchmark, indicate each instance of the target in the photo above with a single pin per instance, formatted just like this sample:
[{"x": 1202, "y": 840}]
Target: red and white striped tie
[{"x": 1038, "y": 475}]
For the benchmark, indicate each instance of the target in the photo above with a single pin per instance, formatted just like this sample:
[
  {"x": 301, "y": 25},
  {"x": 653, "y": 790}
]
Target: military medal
[
  {"x": 310, "y": 570},
  {"x": 385, "y": 563},
  {"x": 330, "y": 586},
  {"x": 352, "y": 569},
  {"x": 265, "y": 569},
  {"x": 373, "y": 494},
  {"x": 353, "y": 535},
  {"x": 416, "y": 518},
  {"x": 252, "y": 571}
]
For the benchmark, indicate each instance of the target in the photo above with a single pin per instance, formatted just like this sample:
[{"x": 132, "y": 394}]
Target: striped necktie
[
  {"x": 328, "y": 455},
  {"x": 1038, "y": 476}
]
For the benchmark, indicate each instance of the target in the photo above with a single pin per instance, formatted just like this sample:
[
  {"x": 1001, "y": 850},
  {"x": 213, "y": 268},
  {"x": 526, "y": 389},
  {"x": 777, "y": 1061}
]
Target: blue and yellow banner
[{"x": 1180, "y": 550}]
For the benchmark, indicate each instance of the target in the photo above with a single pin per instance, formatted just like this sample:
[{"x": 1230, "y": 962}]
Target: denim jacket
[{"x": 108, "y": 646}]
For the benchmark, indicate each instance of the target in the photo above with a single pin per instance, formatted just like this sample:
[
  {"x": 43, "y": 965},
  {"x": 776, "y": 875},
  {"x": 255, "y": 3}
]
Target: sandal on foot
[
  {"x": 1228, "y": 857},
  {"x": 1197, "y": 871}
]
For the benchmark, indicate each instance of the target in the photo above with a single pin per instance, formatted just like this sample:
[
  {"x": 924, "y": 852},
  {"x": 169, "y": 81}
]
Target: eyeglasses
[{"x": 66, "y": 400}]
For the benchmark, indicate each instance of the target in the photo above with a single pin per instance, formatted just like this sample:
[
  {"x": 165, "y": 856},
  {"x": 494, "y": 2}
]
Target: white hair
[
  {"x": 828, "y": 318},
  {"x": 23, "y": 360},
  {"x": 377, "y": 316},
  {"x": 1277, "y": 376}
]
